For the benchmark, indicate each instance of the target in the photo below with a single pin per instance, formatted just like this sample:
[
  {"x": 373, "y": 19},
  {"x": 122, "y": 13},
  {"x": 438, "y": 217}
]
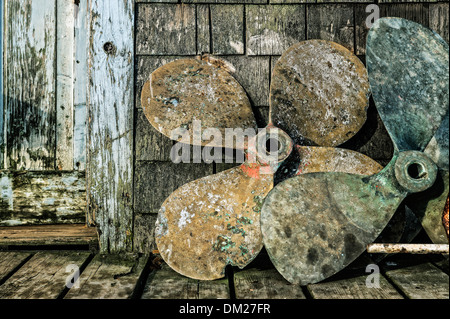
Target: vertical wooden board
[
  {"x": 273, "y": 29},
  {"x": 227, "y": 27},
  {"x": 155, "y": 181},
  {"x": 29, "y": 84},
  {"x": 144, "y": 233},
  {"x": 110, "y": 125},
  {"x": 203, "y": 29},
  {"x": 417, "y": 12},
  {"x": 264, "y": 284},
  {"x": 44, "y": 276},
  {"x": 333, "y": 22},
  {"x": 150, "y": 144},
  {"x": 361, "y": 28},
  {"x": 64, "y": 84},
  {"x": 42, "y": 197},
  {"x": 353, "y": 288},
  {"x": 108, "y": 277},
  {"x": 253, "y": 73},
  {"x": 2, "y": 146},
  {"x": 80, "y": 83},
  {"x": 165, "y": 283},
  {"x": 10, "y": 260},
  {"x": 164, "y": 29},
  {"x": 423, "y": 281},
  {"x": 439, "y": 19}
]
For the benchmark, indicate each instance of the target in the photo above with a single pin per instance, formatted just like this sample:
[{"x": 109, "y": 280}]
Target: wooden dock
[{"x": 47, "y": 274}]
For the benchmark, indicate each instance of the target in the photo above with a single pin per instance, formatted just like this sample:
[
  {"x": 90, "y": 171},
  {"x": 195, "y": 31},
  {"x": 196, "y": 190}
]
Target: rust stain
[
  {"x": 445, "y": 221},
  {"x": 201, "y": 228}
]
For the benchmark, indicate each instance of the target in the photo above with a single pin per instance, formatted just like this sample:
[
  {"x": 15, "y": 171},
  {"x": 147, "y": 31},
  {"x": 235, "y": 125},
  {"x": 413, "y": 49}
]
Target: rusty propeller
[
  {"x": 214, "y": 221},
  {"x": 315, "y": 224}
]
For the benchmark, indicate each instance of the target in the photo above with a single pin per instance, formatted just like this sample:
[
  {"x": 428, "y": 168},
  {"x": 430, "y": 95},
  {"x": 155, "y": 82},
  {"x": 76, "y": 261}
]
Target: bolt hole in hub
[
  {"x": 273, "y": 146},
  {"x": 415, "y": 171}
]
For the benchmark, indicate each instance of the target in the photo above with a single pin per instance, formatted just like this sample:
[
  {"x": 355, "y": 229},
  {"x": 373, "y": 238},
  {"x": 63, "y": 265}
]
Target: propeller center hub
[
  {"x": 273, "y": 145},
  {"x": 415, "y": 171}
]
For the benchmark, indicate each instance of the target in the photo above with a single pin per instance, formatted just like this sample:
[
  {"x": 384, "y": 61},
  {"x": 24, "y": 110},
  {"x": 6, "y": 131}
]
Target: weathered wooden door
[
  {"x": 43, "y": 112},
  {"x": 66, "y": 124}
]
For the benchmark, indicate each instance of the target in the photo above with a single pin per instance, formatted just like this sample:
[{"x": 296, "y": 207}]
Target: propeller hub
[
  {"x": 273, "y": 145},
  {"x": 415, "y": 171}
]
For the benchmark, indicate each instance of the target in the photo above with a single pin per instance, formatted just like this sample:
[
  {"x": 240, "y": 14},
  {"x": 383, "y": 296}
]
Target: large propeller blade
[
  {"x": 319, "y": 93},
  {"x": 315, "y": 224}
]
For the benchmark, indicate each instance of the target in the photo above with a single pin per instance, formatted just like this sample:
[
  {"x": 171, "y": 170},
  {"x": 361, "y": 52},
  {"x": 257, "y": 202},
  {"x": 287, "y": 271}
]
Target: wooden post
[
  {"x": 110, "y": 123},
  {"x": 2, "y": 160},
  {"x": 407, "y": 248}
]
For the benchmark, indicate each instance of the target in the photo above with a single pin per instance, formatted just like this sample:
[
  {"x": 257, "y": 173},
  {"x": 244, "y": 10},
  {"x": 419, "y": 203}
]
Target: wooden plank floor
[{"x": 47, "y": 274}]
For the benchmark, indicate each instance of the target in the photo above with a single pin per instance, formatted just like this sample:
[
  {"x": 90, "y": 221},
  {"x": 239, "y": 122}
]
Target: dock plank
[
  {"x": 165, "y": 283},
  {"x": 43, "y": 276},
  {"x": 353, "y": 288},
  {"x": 264, "y": 284},
  {"x": 70, "y": 234},
  {"x": 10, "y": 260},
  {"x": 422, "y": 281},
  {"x": 108, "y": 277}
]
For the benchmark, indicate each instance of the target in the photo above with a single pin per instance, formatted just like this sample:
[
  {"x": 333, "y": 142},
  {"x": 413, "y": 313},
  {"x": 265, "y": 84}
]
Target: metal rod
[{"x": 408, "y": 248}]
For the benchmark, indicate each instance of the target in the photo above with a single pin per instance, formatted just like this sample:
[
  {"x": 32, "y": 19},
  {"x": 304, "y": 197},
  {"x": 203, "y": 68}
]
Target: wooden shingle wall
[{"x": 251, "y": 35}]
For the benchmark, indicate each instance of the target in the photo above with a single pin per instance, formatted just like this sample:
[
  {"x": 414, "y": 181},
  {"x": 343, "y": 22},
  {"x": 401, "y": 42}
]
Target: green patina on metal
[
  {"x": 408, "y": 68},
  {"x": 315, "y": 224}
]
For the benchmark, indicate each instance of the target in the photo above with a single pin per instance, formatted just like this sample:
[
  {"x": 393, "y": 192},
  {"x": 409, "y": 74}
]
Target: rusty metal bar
[{"x": 408, "y": 248}]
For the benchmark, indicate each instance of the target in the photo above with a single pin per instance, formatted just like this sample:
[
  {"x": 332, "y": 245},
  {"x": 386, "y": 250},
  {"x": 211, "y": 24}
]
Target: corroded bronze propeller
[
  {"x": 214, "y": 221},
  {"x": 315, "y": 224}
]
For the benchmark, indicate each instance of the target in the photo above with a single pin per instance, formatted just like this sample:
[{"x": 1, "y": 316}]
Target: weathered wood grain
[
  {"x": 165, "y": 29},
  {"x": 353, "y": 288},
  {"x": 264, "y": 284},
  {"x": 151, "y": 145},
  {"x": 73, "y": 234},
  {"x": 43, "y": 276},
  {"x": 108, "y": 277},
  {"x": 155, "y": 181},
  {"x": 80, "y": 84},
  {"x": 227, "y": 27},
  {"x": 213, "y": 289},
  {"x": 439, "y": 19},
  {"x": 268, "y": 33},
  {"x": 417, "y": 12},
  {"x": 42, "y": 197},
  {"x": 333, "y": 22},
  {"x": 64, "y": 85},
  {"x": 110, "y": 126},
  {"x": 203, "y": 29},
  {"x": 2, "y": 138},
  {"x": 422, "y": 281},
  {"x": 225, "y": 1},
  {"x": 9, "y": 261},
  {"x": 253, "y": 73},
  {"x": 144, "y": 233},
  {"x": 165, "y": 283},
  {"x": 29, "y": 84}
]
